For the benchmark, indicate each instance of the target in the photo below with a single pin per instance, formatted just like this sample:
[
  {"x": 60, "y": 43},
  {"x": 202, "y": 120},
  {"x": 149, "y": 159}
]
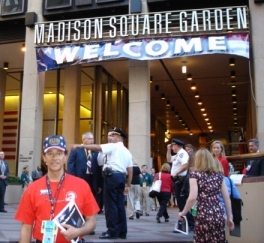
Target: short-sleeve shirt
[
  {"x": 118, "y": 156},
  {"x": 35, "y": 205},
  {"x": 178, "y": 160}
]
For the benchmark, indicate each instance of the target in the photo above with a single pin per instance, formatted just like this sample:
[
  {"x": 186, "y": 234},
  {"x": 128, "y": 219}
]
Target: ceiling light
[
  {"x": 204, "y": 114},
  {"x": 193, "y": 87},
  {"x": 186, "y": 128},
  {"x": 234, "y": 107},
  {"x": 189, "y": 77},
  {"x": 234, "y": 100},
  {"x": 172, "y": 108},
  {"x": 183, "y": 123},
  {"x": 150, "y": 80},
  {"x": 235, "y": 118},
  {"x": 233, "y": 84},
  {"x": 202, "y": 108},
  {"x": 233, "y": 74},
  {"x": 233, "y": 93},
  {"x": 235, "y": 123},
  {"x": 196, "y": 95},
  {"x": 176, "y": 114},
  {"x": 5, "y": 65},
  {"x": 180, "y": 119},
  {"x": 206, "y": 119},
  {"x": 191, "y": 133},
  {"x": 156, "y": 87},
  {"x": 208, "y": 123},
  {"x": 23, "y": 48},
  {"x": 168, "y": 103},
  {"x": 163, "y": 96},
  {"x": 231, "y": 62},
  {"x": 235, "y": 113},
  {"x": 210, "y": 127},
  {"x": 184, "y": 68},
  {"x": 199, "y": 102},
  {"x": 211, "y": 131}
]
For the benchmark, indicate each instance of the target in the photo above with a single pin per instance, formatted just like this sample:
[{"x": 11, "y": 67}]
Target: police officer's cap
[
  {"x": 177, "y": 141},
  {"x": 119, "y": 132}
]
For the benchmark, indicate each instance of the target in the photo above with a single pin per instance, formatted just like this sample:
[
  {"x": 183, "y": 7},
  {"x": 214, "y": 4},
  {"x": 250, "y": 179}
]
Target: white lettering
[
  {"x": 133, "y": 31},
  {"x": 39, "y": 33},
  {"x": 108, "y": 51},
  {"x": 218, "y": 16},
  {"x": 146, "y": 26},
  {"x": 167, "y": 22},
  {"x": 67, "y": 54},
  {"x": 216, "y": 43},
  {"x": 77, "y": 35},
  {"x": 112, "y": 21},
  {"x": 87, "y": 29},
  {"x": 98, "y": 28},
  {"x": 206, "y": 19},
  {"x": 127, "y": 49},
  {"x": 91, "y": 51},
  {"x": 228, "y": 18},
  {"x": 61, "y": 31},
  {"x": 51, "y": 33},
  {"x": 69, "y": 31},
  {"x": 194, "y": 21},
  {"x": 194, "y": 43},
  {"x": 241, "y": 18},
  {"x": 153, "y": 50},
  {"x": 157, "y": 23},
  {"x": 183, "y": 23},
  {"x": 123, "y": 26}
]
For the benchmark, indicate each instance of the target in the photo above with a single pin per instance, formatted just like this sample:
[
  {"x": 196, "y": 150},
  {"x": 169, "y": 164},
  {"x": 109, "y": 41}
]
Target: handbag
[
  {"x": 155, "y": 188},
  {"x": 236, "y": 204}
]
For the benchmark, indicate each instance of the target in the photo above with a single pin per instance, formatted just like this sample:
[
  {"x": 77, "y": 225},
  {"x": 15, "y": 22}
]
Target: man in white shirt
[{"x": 179, "y": 168}]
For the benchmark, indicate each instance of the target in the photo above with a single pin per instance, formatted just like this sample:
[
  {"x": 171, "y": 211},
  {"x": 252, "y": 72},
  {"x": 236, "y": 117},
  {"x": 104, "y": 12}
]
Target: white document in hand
[
  {"x": 182, "y": 226},
  {"x": 71, "y": 215},
  {"x": 237, "y": 178}
]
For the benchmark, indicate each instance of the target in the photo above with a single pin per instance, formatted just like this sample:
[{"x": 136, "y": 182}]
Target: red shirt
[
  {"x": 225, "y": 165},
  {"x": 35, "y": 206},
  {"x": 167, "y": 184}
]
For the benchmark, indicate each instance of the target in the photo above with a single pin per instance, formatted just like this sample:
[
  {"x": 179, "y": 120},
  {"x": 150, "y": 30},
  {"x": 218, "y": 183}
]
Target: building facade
[{"x": 71, "y": 95}]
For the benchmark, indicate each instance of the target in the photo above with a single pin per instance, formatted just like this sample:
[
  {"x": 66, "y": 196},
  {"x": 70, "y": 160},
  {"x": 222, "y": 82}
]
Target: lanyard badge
[{"x": 49, "y": 230}]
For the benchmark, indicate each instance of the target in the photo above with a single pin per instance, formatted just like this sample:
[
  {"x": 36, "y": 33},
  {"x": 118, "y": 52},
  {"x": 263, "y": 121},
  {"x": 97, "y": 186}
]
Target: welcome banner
[{"x": 54, "y": 57}]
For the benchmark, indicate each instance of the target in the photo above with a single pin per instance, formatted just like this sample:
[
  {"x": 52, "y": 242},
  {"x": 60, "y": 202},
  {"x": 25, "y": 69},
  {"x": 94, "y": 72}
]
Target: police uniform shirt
[
  {"x": 118, "y": 156},
  {"x": 178, "y": 160}
]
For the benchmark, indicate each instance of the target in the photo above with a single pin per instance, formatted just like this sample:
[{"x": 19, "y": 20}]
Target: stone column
[
  {"x": 257, "y": 64},
  {"x": 30, "y": 142},
  {"x": 139, "y": 108},
  {"x": 2, "y": 103},
  {"x": 71, "y": 110}
]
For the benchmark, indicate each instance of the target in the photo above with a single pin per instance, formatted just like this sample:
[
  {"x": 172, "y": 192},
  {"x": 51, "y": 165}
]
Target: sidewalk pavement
[{"x": 144, "y": 229}]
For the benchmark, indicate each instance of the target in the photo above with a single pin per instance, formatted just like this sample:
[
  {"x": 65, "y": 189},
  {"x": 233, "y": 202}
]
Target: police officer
[
  {"x": 180, "y": 164},
  {"x": 118, "y": 164}
]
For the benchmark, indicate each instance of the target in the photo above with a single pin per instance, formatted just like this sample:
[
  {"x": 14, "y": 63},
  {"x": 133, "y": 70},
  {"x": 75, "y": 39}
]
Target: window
[
  {"x": 52, "y": 4},
  {"x": 9, "y": 7},
  {"x": 83, "y": 2},
  {"x": 106, "y": 1}
]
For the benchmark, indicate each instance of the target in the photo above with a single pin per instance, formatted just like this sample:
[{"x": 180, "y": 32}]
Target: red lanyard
[{"x": 53, "y": 199}]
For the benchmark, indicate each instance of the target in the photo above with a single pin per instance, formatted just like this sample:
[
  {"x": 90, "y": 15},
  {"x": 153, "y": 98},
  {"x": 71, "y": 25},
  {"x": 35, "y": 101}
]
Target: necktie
[
  {"x": 2, "y": 167},
  {"x": 89, "y": 163}
]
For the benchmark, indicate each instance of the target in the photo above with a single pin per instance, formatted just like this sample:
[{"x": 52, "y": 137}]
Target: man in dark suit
[
  {"x": 84, "y": 164},
  {"x": 4, "y": 173},
  {"x": 254, "y": 167},
  {"x": 36, "y": 174}
]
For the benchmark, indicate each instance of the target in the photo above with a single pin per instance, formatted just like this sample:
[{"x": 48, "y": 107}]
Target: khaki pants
[
  {"x": 144, "y": 199},
  {"x": 133, "y": 203}
]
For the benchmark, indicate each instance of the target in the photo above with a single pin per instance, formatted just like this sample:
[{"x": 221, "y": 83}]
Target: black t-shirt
[{"x": 135, "y": 176}]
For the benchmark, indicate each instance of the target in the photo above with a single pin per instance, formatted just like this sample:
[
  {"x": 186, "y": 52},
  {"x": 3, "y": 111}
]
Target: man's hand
[
  {"x": 169, "y": 146},
  {"x": 126, "y": 191},
  {"x": 70, "y": 232}
]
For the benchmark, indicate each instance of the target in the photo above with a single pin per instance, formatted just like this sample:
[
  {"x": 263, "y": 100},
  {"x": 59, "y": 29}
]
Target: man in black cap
[
  {"x": 180, "y": 164},
  {"x": 117, "y": 165}
]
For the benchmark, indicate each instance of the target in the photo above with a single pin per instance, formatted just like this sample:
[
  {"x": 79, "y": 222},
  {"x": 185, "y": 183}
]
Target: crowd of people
[{"x": 102, "y": 177}]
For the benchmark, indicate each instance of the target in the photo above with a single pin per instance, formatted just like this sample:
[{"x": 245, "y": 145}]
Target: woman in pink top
[
  {"x": 218, "y": 151},
  {"x": 165, "y": 192}
]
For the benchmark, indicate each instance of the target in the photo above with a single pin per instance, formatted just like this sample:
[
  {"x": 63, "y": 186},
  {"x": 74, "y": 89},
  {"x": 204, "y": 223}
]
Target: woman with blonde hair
[
  {"x": 206, "y": 183},
  {"x": 165, "y": 191},
  {"x": 218, "y": 151}
]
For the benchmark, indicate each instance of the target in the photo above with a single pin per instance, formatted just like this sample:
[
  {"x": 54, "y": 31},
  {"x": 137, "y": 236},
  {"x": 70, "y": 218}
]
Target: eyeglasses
[
  {"x": 89, "y": 138},
  {"x": 52, "y": 155}
]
